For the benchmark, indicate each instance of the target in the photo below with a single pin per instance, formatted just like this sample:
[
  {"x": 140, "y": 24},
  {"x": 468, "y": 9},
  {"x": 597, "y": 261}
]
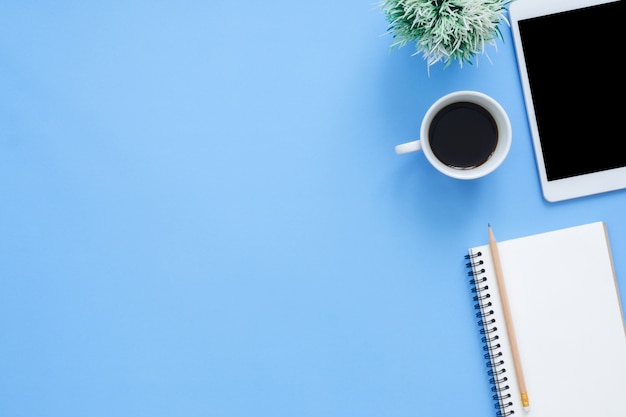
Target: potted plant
[{"x": 445, "y": 30}]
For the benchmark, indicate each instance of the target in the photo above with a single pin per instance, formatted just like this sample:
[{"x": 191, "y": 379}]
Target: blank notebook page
[{"x": 568, "y": 319}]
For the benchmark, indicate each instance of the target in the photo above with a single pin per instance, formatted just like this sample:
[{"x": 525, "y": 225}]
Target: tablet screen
[{"x": 576, "y": 79}]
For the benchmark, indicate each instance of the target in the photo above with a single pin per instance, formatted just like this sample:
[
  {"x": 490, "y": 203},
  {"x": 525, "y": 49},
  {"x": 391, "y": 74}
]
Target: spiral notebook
[{"x": 568, "y": 320}]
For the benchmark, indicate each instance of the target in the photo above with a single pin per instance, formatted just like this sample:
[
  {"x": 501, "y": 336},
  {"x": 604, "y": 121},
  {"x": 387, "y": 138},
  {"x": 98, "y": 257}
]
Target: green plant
[{"x": 445, "y": 30}]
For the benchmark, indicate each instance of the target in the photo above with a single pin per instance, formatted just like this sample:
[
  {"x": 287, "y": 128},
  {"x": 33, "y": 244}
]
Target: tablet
[{"x": 568, "y": 54}]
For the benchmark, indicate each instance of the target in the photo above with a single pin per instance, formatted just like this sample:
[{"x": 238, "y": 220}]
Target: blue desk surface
[{"x": 202, "y": 214}]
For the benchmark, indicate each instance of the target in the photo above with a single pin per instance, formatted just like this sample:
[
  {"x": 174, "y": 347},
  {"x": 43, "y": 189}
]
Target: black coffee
[{"x": 463, "y": 135}]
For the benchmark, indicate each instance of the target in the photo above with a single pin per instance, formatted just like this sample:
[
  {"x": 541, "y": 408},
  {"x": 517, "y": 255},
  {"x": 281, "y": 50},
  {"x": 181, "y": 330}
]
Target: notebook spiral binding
[{"x": 489, "y": 331}]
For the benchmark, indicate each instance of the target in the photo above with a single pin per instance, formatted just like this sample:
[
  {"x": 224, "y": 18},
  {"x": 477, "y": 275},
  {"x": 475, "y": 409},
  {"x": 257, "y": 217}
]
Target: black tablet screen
[{"x": 577, "y": 81}]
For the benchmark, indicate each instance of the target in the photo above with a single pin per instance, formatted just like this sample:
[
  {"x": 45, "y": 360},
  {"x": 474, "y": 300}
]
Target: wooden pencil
[{"x": 517, "y": 363}]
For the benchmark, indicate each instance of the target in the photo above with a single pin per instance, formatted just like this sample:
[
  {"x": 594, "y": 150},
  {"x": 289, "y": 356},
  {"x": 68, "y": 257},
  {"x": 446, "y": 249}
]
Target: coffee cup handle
[{"x": 413, "y": 146}]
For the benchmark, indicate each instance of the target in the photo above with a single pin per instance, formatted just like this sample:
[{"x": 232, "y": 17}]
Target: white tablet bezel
[{"x": 573, "y": 187}]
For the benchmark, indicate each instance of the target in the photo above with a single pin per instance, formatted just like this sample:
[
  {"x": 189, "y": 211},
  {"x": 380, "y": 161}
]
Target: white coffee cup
[{"x": 464, "y": 134}]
